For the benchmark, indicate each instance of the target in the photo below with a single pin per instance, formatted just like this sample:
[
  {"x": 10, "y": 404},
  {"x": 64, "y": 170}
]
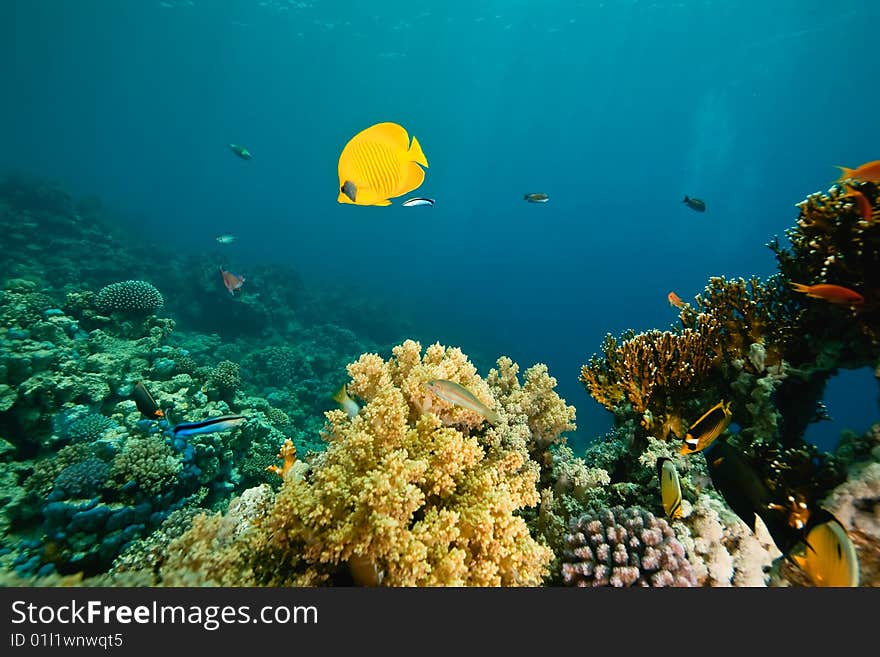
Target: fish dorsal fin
[{"x": 390, "y": 134}]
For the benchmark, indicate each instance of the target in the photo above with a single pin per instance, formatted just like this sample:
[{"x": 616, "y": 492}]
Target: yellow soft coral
[
  {"x": 411, "y": 491},
  {"x": 406, "y": 495}
]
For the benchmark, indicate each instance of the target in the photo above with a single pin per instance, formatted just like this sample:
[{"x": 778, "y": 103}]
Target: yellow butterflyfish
[
  {"x": 379, "y": 163},
  {"x": 670, "y": 487}
]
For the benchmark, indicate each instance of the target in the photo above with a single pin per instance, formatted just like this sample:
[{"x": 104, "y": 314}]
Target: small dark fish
[
  {"x": 735, "y": 478},
  {"x": 695, "y": 204},
  {"x": 536, "y": 197},
  {"x": 747, "y": 494},
  {"x": 241, "y": 151},
  {"x": 222, "y": 423},
  {"x": 350, "y": 190},
  {"x": 145, "y": 402},
  {"x": 413, "y": 202}
]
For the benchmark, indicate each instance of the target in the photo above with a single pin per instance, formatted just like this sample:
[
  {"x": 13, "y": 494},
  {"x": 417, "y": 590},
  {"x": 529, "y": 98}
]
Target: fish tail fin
[
  {"x": 416, "y": 154},
  {"x": 845, "y": 172},
  {"x": 340, "y": 395},
  {"x": 686, "y": 199},
  {"x": 800, "y": 287},
  {"x": 493, "y": 417}
]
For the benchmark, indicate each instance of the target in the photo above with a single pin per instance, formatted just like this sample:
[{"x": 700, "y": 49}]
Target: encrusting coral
[{"x": 411, "y": 491}]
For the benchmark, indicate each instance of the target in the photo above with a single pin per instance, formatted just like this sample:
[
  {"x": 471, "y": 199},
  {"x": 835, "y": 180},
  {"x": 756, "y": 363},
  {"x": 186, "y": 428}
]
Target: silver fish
[
  {"x": 418, "y": 200},
  {"x": 226, "y": 238}
]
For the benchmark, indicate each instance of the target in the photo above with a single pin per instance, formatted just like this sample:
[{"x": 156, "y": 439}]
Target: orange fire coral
[
  {"x": 645, "y": 366},
  {"x": 288, "y": 453},
  {"x": 659, "y": 372}
]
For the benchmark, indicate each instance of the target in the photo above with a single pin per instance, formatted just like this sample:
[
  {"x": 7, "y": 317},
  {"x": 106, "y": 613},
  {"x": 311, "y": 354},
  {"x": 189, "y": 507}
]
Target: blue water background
[{"x": 617, "y": 109}]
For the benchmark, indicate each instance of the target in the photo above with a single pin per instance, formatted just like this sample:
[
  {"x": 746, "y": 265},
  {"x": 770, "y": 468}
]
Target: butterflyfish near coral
[
  {"x": 211, "y": 425},
  {"x": 674, "y": 300},
  {"x": 348, "y": 404},
  {"x": 836, "y": 294},
  {"x": 670, "y": 487},
  {"x": 695, "y": 204},
  {"x": 380, "y": 163},
  {"x": 458, "y": 395},
  {"x": 232, "y": 281},
  {"x": 828, "y": 555},
  {"x": 867, "y": 172},
  {"x": 705, "y": 430},
  {"x": 145, "y": 402}
]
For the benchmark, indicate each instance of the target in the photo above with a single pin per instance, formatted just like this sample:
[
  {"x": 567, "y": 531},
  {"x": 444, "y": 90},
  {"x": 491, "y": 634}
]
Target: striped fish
[
  {"x": 704, "y": 431},
  {"x": 211, "y": 425},
  {"x": 457, "y": 394},
  {"x": 379, "y": 163},
  {"x": 670, "y": 487}
]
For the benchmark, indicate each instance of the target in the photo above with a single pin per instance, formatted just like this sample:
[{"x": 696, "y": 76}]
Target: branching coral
[
  {"x": 834, "y": 243},
  {"x": 653, "y": 371}
]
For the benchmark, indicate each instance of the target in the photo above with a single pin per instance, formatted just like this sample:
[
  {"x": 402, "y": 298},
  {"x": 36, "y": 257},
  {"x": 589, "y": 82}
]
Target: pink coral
[{"x": 625, "y": 547}]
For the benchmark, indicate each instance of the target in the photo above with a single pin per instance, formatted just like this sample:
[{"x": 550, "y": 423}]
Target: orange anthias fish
[
  {"x": 379, "y": 163},
  {"x": 675, "y": 300},
  {"x": 868, "y": 172},
  {"x": 830, "y": 293},
  {"x": 231, "y": 281},
  {"x": 862, "y": 202}
]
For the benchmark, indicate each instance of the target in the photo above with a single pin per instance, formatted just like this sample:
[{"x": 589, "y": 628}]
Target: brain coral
[
  {"x": 129, "y": 296},
  {"x": 625, "y": 547}
]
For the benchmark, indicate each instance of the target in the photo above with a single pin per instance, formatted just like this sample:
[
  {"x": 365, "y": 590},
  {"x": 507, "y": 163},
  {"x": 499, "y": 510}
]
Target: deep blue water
[{"x": 617, "y": 109}]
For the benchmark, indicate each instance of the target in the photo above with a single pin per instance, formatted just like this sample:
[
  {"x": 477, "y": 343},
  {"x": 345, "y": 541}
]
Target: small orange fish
[
  {"x": 231, "y": 281},
  {"x": 868, "y": 172},
  {"x": 675, "y": 300},
  {"x": 862, "y": 202},
  {"x": 830, "y": 293}
]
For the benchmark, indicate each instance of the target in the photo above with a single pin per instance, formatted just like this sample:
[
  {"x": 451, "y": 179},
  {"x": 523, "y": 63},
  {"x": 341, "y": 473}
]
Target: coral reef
[
  {"x": 413, "y": 490},
  {"x": 625, "y": 547}
]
